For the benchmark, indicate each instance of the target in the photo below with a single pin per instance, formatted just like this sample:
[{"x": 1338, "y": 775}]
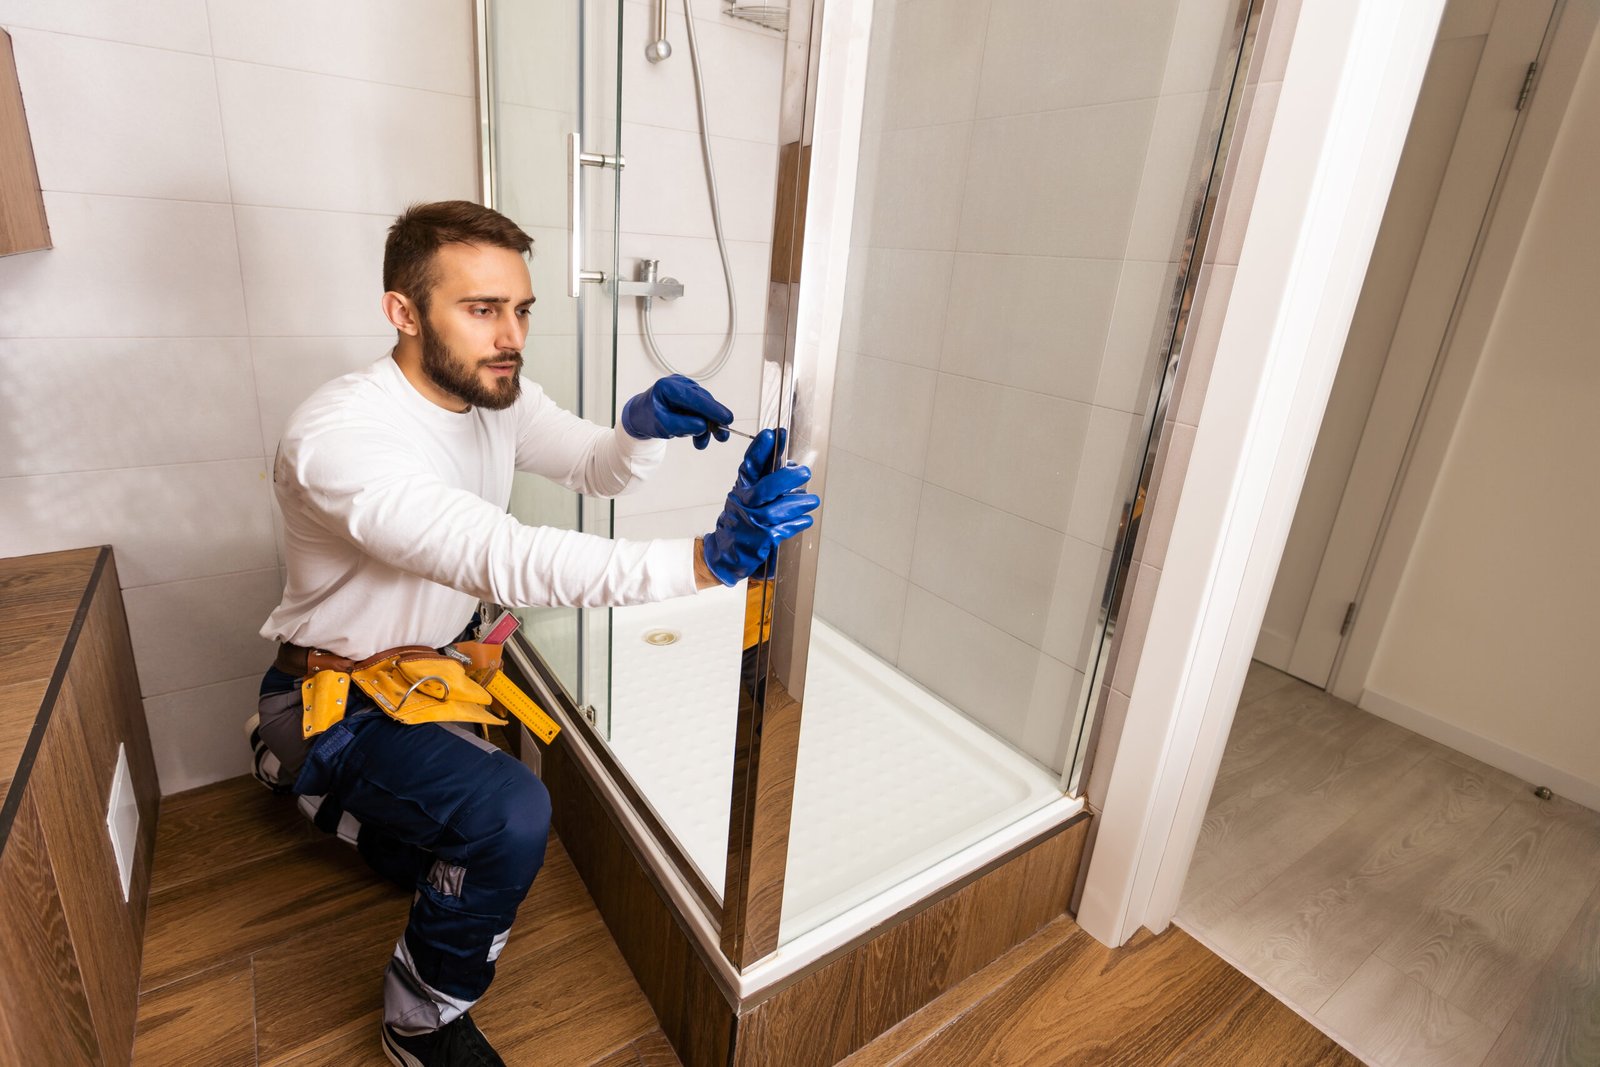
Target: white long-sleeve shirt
[{"x": 395, "y": 522}]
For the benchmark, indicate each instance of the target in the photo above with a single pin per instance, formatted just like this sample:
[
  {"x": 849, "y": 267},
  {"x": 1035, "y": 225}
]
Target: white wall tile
[
  {"x": 1014, "y": 450},
  {"x": 121, "y": 119},
  {"x": 1277, "y": 32},
  {"x": 882, "y": 412},
  {"x": 313, "y": 141},
  {"x": 743, "y": 74},
  {"x": 167, "y": 523},
  {"x": 555, "y": 312},
  {"x": 1174, "y": 177},
  {"x": 871, "y": 510},
  {"x": 985, "y": 561},
  {"x": 133, "y": 403},
  {"x": 290, "y": 291},
  {"x": 1244, "y": 170},
  {"x": 1167, "y": 480},
  {"x": 689, "y": 477},
  {"x": 289, "y": 369},
  {"x": 189, "y": 634},
  {"x": 1103, "y": 476},
  {"x": 536, "y": 55},
  {"x": 861, "y": 599},
  {"x": 737, "y": 384},
  {"x": 1205, "y": 331},
  {"x": 1033, "y": 322},
  {"x": 898, "y": 310},
  {"x": 1141, "y": 323},
  {"x": 553, "y": 363},
  {"x": 1065, "y": 201},
  {"x": 126, "y": 267},
  {"x": 916, "y": 187},
  {"x": 696, "y": 521},
  {"x": 531, "y": 154},
  {"x": 1046, "y": 54},
  {"x": 419, "y": 43},
  {"x": 198, "y": 734},
  {"x": 1075, "y": 594},
  {"x": 1202, "y": 31},
  {"x": 177, "y": 24},
  {"x": 695, "y": 261},
  {"x": 980, "y": 669},
  {"x": 665, "y": 191},
  {"x": 934, "y": 52},
  {"x": 1052, "y": 706}
]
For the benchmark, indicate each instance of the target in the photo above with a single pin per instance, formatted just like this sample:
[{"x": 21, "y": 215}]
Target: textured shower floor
[{"x": 890, "y": 779}]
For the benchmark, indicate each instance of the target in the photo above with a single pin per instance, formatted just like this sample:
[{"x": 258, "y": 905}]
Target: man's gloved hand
[
  {"x": 676, "y": 406},
  {"x": 761, "y": 511}
]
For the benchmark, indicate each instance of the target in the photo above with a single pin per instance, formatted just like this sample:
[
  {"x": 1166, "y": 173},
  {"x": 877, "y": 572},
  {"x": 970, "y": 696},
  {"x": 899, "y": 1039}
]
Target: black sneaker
[{"x": 456, "y": 1044}]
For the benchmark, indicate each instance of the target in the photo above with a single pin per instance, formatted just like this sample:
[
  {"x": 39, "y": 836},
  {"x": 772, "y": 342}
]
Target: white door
[{"x": 1460, "y": 138}]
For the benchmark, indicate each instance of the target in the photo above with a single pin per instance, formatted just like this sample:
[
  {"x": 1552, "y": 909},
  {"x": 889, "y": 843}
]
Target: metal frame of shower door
[
  {"x": 553, "y": 691},
  {"x": 1095, "y": 692},
  {"x": 797, "y": 393}
]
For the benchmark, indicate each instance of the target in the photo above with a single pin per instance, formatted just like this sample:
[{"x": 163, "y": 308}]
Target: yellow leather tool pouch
[
  {"x": 417, "y": 686},
  {"x": 325, "y": 697}
]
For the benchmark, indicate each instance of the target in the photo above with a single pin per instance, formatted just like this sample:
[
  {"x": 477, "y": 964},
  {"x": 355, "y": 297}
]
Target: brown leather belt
[{"x": 299, "y": 662}]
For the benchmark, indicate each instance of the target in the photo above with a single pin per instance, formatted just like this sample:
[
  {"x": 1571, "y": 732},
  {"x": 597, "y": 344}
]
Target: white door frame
[
  {"x": 1355, "y": 67},
  {"x": 1348, "y": 93}
]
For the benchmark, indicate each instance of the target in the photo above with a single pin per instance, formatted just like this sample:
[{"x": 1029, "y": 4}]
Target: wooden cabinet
[
  {"x": 22, "y": 223},
  {"x": 69, "y": 702}
]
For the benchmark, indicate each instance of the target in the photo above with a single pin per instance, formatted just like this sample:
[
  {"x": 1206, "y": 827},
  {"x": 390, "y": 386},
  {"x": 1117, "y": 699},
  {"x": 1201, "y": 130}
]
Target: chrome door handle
[{"x": 577, "y": 159}]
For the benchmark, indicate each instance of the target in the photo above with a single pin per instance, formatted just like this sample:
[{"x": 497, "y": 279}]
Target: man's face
[{"x": 476, "y": 324}]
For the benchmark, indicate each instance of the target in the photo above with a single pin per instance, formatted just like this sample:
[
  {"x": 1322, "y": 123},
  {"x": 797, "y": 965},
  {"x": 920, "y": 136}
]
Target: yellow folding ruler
[{"x": 520, "y": 704}]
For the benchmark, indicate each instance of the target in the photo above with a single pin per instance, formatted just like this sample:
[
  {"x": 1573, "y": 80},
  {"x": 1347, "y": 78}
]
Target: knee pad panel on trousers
[{"x": 509, "y": 824}]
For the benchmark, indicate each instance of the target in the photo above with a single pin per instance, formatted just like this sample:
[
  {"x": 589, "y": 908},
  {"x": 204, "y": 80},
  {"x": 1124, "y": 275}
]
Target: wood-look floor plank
[
  {"x": 345, "y": 961},
  {"x": 356, "y": 1045},
  {"x": 575, "y": 995},
  {"x": 1261, "y": 680},
  {"x": 652, "y": 1050},
  {"x": 1557, "y": 1023},
  {"x": 238, "y": 912},
  {"x": 222, "y": 826},
  {"x": 1261, "y": 1031},
  {"x": 1152, "y": 1000},
  {"x": 1307, "y": 931},
  {"x": 1497, "y": 914},
  {"x": 208, "y": 1018},
  {"x": 1279, "y": 811},
  {"x": 1397, "y": 1022}
]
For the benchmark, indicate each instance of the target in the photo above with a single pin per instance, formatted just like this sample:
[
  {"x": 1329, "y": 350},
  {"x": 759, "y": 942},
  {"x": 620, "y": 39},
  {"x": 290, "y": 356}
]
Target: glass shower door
[{"x": 554, "y": 129}]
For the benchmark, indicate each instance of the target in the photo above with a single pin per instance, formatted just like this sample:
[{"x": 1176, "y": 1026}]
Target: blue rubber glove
[
  {"x": 762, "y": 511},
  {"x": 676, "y": 406}
]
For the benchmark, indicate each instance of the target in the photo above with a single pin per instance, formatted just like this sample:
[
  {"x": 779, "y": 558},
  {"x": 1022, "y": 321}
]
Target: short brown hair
[{"x": 422, "y": 228}]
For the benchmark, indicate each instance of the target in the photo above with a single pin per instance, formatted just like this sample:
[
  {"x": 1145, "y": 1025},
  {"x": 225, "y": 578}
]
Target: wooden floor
[
  {"x": 1422, "y": 906},
  {"x": 266, "y": 943}
]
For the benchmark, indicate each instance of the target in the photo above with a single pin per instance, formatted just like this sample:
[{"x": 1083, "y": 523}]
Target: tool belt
[{"x": 412, "y": 684}]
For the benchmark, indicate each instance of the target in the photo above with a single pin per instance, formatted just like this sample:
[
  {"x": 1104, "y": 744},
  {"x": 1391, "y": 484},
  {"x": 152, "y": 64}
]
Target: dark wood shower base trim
[{"x": 842, "y": 1002}]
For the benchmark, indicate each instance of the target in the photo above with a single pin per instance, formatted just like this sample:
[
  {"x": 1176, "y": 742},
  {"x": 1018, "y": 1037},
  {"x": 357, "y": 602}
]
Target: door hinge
[
  {"x": 1527, "y": 85},
  {"x": 1349, "y": 617}
]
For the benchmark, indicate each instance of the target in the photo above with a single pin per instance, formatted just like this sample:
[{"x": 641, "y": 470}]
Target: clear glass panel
[
  {"x": 553, "y": 72},
  {"x": 1025, "y": 211},
  {"x": 660, "y": 680}
]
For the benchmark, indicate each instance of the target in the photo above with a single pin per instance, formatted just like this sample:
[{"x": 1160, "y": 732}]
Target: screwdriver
[{"x": 736, "y": 433}]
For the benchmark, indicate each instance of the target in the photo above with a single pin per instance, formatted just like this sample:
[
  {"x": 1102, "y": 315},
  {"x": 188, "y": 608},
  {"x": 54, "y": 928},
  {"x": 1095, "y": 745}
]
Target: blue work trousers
[{"x": 439, "y": 810}]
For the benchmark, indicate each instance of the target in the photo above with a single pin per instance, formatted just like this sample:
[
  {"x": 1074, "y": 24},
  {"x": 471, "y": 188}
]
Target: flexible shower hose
[{"x": 720, "y": 360}]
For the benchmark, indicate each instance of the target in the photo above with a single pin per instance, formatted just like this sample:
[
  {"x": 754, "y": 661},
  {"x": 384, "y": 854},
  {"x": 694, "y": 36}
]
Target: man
[{"x": 393, "y": 483}]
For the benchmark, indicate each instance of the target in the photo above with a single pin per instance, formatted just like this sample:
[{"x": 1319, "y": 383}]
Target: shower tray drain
[{"x": 661, "y": 637}]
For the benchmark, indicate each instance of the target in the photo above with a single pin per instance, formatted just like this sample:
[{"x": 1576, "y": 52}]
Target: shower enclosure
[{"x": 963, "y": 236}]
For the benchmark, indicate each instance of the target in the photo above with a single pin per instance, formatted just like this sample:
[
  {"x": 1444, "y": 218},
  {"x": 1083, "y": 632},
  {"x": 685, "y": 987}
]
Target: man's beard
[{"x": 443, "y": 369}]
